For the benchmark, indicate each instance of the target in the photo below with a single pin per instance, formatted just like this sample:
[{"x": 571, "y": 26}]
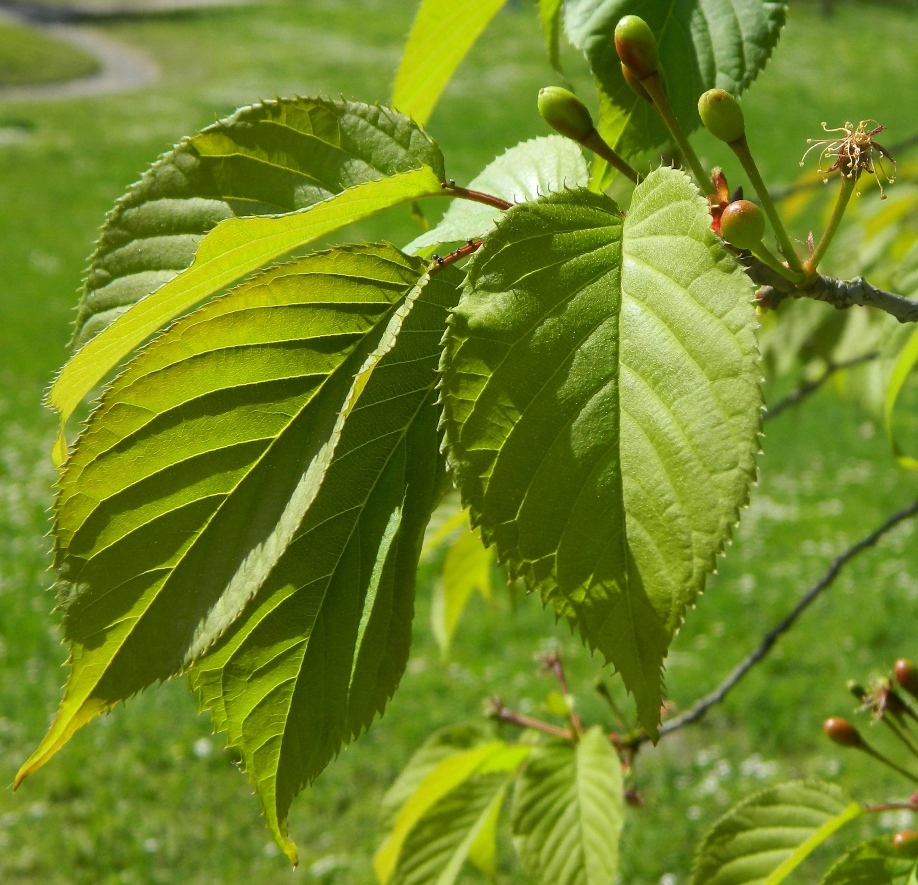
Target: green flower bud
[
  {"x": 742, "y": 224},
  {"x": 722, "y": 116},
  {"x": 636, "y": 85},
  {"x": 842, "y": 732},
  {"x": 565, "y": 113},
  {"x": 636, "y": 46}
]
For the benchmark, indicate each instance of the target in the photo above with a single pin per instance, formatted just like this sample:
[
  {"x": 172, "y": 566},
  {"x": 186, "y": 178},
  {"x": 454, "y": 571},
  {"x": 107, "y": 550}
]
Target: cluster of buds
[{"x": 888, "y": 705}]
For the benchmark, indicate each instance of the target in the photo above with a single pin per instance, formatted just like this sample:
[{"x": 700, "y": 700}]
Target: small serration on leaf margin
[
  {"x": 568, "y": 810},
  {"x": 765, "y": 837},
  {"x": 442, "y": 34},
  {"x": 195, "y": 471},
  {"x": 724, "y": 46},
  {"x": 267, "y": 159},
  {"x": 322, "y": 647},
  {"x": 234, "y": 248},
  {"x": 443, "y": 819},
  {"x": 602, "y": 410}
]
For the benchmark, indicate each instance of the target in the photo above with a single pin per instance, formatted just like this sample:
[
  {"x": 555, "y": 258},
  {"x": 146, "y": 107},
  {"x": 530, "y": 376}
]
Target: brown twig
[
  {"x": 454, "y": 256},
  {"x": 504, "y": 714},
  {"x": 552, "y": 663},
  {"x": 701, "y": 707},
  {"x": 808, "y": 389},
  {"x": 463, "y": 193}
]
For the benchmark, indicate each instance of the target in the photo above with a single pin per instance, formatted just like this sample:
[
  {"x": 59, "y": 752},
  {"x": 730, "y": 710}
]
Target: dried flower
[{"x": 854, "y": 152}]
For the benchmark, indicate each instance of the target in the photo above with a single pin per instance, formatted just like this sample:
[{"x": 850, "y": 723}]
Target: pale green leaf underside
[
  {"x": 765, "y": 837},
  {"x": 466, "y": 570},
  {"x": 447, "y": 815},
  {"x": 271, "y": 158},
  {"x": 714, "y": 43},
  {"x": 442, "y": 34},
  {"x": 550, "y": 16},
  {"x": 900, "y": 369},
  {"x": 567, "y": 812},
  {"x": 522, "y": 173},
  {"x": 321, "y": 648},
  {"x": 194, "y": 473},
  {"x": 875, "y": 862},
  {"x": 235, "y": 248},
  {"x": 602, "y": 410}
]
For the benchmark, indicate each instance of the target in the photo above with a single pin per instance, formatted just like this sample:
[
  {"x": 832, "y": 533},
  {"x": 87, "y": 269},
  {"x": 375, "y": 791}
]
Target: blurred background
[{"x": 90, "y": 93}]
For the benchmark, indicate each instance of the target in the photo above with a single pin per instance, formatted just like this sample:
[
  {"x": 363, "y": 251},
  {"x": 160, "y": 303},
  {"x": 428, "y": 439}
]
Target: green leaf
[
  {"x": 875, "y": 862},
  {"x": 235, "y": 248},
  {"x": 601, "y": 405},
  {"x": 445, "y": 817},
  {"x": 724, "y": 45},
  {"x": 442, "y": 34},
  {"x": 194, "y": 473},
  {"x": 550, "y": 16},
  {"x": 321, "y": 648},
  {"x": 443, "y": 743},
  {"x": 466, "y": 570},
  {"x": 523, "y": 173},
  {"x": 271, "y": 158},
  {"x": 901, "y": 369},
  {"x": 765, "y": 837},
  {"x": 567, "y": 812}
]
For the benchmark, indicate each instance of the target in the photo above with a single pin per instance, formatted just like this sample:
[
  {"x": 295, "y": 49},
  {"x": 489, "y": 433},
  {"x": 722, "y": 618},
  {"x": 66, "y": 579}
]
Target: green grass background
[
  {"x": 28, "y": 57},
  {"x": 147, "y": 794}
]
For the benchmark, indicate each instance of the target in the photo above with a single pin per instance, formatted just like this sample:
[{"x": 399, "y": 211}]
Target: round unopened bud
[
  {"x": 904, "y": 839},
  {"x": 722, "y": 116},
  {"x": 636, "y": 85},
  {"x": 906, "y": 676},
  {"x": 636, "y": 46},
  {"x": 842, "y": 732},
  {"x": 565, "y": 113},
  {"x": 742, "y": 224}
]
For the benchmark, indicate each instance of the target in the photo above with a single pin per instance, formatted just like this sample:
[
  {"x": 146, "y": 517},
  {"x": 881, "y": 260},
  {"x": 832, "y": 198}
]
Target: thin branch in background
[
  {"x": 553, "y": 664},
  {"x": 808, "y": 389},
  {"x": 504, "y": 714},
  {"x": 701, "y": 707}
]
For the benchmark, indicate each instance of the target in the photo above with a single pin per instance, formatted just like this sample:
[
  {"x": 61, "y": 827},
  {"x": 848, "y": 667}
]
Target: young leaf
[
  {"x": 195, "y": 471},
  {"x": 523, "y": 173},
  {"x": 321, "y": 648},
  {"x": 602, "y": 410},
  {"x": 874, "y": 862},
  {"x": 442, "y": 33},
  {"x": 901, "y": 368},
  {"x": 726, "y": 46},
  {"x": 765, "y": 837},
  {"x": 567, "y": 812},
  {"x": 235, "y": 248},
  {"x": 550, "y": 16},
  {"x": 443, "y": 743},
  {"x": 446, "y": 816},
  {"x": 466, "y": 569},
  {"x": 271, "y": 158}
]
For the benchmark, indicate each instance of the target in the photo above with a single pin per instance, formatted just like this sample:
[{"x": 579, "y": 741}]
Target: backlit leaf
[
  {"x": 235, "y": 248},
  {"x": 529, "y": 170},
  {"x": 875, "y": 862},
  {"x": 320, "y": 649},
  {"x": 194, "y": 473},
  {"x": 442, "y": 34},
  {"x": 567, "y": 812},
  {"x": 601, "y": 405},
  {"x": 764, "y": 838}
]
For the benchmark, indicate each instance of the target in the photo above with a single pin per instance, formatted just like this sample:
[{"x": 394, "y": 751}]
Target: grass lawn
[
  {"x": 147, "y": 794},
  {"x": 29, "y": 57}
]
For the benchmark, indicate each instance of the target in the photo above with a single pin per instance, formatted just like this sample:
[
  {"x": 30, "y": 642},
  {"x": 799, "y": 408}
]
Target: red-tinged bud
[
  {"x": 906, "y": 677},
  {"x": 637, "y": 47},
  {"x": 903, "y": 839},
  {"x": 722, "y": 116},
  {"x": 842, "y": 732},
  {"x": 636, "y": 85},
  {"x": 565, "y": 113},
  {"x": 742, "y": 224}
]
